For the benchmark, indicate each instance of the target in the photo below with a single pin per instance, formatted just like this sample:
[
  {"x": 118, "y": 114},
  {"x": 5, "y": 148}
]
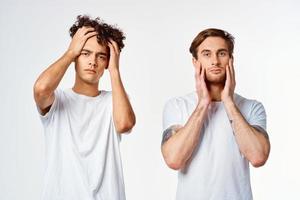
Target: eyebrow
[
  {"x": 206, "y": 50},
  {"x": 98, "y": 53},
  {"x": 222, "y": 50}
]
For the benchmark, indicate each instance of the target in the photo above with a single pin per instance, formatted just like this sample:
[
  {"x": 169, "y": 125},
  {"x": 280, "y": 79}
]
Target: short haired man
[
  {"x": 212, "y": 134},
  {"x": 82, "y": 124}
]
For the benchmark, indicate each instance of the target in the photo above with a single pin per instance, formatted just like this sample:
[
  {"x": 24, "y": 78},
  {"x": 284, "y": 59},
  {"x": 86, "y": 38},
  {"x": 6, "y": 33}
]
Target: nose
[
  {"x": 215, "y": 60},
  {"x": 92, "y": 62}
]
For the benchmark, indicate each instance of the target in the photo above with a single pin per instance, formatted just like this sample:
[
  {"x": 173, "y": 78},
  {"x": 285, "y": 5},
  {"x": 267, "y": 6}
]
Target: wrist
[
  {"x": 70, "y": 54},
  {"x": 202, "y": 105},
  {"x": 113, "y": 70},
  {"x": 114, "y": 74},
  {"x": 230, "y": 107},
  {"x": 228, "y": 100}
]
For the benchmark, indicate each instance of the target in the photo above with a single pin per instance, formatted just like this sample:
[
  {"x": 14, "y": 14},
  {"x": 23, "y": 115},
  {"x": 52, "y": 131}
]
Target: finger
[
  {"x": 84, "y": 30},
  {"x": 231, "y": 65},
  {"x": 202, "y": 74},
  {"x": 232, "y": 72},
  {"x": 115, "y": 45},
  {"x": 90, "y": 34},
  {"x": 87, "y": 29},
  {"x": 111, "y": 47},
  {"x": 228, "y": 75},
  {"x": 197, "y": 72},
  {"x": 197, "y": 76}
]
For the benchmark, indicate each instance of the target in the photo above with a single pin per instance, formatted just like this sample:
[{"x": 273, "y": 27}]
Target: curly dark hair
[{"x": 104, "y": 30}]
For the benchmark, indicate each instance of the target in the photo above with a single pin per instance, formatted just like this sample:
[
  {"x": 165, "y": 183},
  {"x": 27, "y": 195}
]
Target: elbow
[
  {"x": 125, "y": 126},
  {"x": 258, "y": 160},
  {"x": 259, "y": 157},
  {"x": 173, "y": 161},
  {"x": 41, "y": 89},
  {"x": 174, "y": 165}
]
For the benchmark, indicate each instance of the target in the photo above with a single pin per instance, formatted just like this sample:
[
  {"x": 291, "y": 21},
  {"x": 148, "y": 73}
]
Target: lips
[
  {"x": 90, "y": 70},
  {"x": 215, "y": 70}
]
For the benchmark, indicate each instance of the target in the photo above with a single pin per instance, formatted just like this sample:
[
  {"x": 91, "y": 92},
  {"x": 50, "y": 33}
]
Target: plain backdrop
[{"x": 155, "y": 66}]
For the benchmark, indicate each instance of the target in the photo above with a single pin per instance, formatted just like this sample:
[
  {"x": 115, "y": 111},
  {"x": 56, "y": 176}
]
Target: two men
[
  {"x": 83, "y": 124},
  {"x": 212, "y": 134}
]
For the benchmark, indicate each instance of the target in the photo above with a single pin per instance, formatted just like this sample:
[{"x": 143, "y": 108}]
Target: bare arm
[
  {"x": 123, "y": 115},
  {"x": 252, "y": 141},
  {"x": 48, "y": 81},
  {"x": 178, "y": 148}
]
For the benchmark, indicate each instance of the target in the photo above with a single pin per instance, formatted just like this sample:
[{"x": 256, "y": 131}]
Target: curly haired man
[{"x": 83, "y": 124}]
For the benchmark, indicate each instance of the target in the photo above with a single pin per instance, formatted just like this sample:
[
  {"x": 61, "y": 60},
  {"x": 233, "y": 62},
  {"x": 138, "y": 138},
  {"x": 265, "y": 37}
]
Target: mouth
[
  {"x": 215, "y": 70},
  {"x": 90, "y": 71}
]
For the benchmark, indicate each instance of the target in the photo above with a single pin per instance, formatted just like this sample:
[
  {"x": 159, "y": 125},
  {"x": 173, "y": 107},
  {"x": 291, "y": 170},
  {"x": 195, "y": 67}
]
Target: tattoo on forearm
[{"x": 166, "y": 135}]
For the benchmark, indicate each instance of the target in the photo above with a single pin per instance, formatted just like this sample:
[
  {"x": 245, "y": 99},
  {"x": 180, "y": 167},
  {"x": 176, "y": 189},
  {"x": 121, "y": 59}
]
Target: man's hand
[
  {"x": 79, "y": 39},
  {"x": 48, "y": 81},
  {"x": 114, "y": 56},
  {"x": 123, "y": 115},
  {"x": 204, "y": 97},
  {"x": 228, "y": 91}
]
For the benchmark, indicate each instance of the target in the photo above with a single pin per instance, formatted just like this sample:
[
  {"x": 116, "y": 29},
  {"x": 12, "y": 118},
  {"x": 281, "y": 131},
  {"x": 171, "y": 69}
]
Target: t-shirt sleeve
[
  {"x": 47, "y": 117},
  {"x": 172, "y": 114},
  {"x": 258, "y": 115}
]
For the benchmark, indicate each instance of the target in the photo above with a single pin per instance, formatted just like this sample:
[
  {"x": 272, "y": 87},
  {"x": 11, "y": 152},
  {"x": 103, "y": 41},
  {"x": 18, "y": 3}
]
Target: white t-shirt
[
  {"x": 217, "y": 170},
  {"x": 82, "y": 149}
]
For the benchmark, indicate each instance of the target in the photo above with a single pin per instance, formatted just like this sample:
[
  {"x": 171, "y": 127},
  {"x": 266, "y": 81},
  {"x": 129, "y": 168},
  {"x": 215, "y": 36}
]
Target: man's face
[
  {"x": 92, "y": 61},
  {"x": 213, "y": 56}
]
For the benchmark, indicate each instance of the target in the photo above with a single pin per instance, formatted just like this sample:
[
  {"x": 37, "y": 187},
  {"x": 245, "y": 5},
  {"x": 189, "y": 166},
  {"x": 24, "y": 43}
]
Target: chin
[
  {"x": 90, "y": 81},
  {"x": 216, "y": 79}
]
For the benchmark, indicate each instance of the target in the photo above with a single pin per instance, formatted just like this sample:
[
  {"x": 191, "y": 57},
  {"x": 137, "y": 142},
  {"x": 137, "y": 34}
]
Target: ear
[
  {"x": 107, "y": 64},
  {"x": 75, "y": 66},
  {"x": 196, "y": 62},
  {"x": 231, "y": 59}
]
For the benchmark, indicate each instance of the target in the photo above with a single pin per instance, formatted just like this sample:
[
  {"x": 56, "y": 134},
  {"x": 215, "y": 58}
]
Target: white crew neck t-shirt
[
  {"x": 217, "y": 170},
  {"x": 83, "y": 159}
]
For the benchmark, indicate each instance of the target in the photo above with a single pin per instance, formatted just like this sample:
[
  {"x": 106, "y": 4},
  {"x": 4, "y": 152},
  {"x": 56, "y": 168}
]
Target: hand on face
[
  {"x": 79, "y": 39},
  {"x": 114, "y": 55},
  {"x": 201, "y": 87},
  {"x": 228, "y": 91}
]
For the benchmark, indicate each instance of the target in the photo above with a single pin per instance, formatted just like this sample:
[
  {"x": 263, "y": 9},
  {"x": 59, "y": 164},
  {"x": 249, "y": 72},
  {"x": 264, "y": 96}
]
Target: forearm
[
  {"x": 253, "y": 144},
  {"x": 123, "y": 115},
  {"x": 51, "y": 77},
  {"x": 178, "y": 149}
]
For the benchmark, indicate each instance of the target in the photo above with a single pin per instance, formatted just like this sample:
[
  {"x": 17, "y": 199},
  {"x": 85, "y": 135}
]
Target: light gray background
[{"x": 155, "y": 66}]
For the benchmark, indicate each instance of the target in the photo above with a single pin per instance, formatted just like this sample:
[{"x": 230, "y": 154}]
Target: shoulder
[
  {"x": 189, "y": 99},
  {"x": 246, "y": 103}
]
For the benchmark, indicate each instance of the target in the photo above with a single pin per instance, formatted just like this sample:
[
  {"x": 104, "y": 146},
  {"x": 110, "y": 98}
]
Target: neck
[
  {"x": 215, "y": 91},
  {"x": 86, "y": 89}
]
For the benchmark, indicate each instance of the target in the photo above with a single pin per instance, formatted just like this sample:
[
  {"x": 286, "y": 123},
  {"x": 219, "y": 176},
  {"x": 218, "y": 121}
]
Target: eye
[
  {"x": 84, "y": 53},
  {"x": 102, "y": 57},
  {"x": 222, "y": 53},
  {"x": 206, "y": 54}
]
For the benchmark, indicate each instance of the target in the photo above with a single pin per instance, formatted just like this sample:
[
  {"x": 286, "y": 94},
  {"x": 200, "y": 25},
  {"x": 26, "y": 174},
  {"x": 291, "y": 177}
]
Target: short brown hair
[
  {"x": 212, "y": 32},
  {"x": 104, "y": 30}
]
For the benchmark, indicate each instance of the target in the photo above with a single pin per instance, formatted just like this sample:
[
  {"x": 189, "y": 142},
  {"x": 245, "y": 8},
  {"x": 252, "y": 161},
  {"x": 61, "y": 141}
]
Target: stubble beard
[{"x": 215, "y": 79}]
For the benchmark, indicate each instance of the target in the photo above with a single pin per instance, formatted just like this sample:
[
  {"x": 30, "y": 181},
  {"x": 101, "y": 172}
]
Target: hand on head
[
  {"x": 79, "y": 39},
  {"x": 114, "y": 52}
]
